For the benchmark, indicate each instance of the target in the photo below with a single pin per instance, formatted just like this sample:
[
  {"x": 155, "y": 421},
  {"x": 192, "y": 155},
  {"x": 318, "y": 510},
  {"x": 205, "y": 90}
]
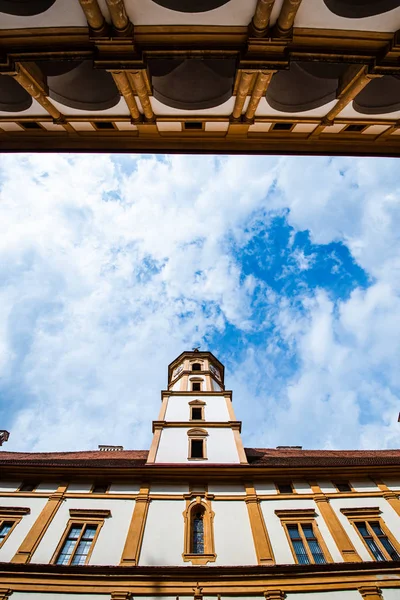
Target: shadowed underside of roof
[{"x": 276, "y": 76}]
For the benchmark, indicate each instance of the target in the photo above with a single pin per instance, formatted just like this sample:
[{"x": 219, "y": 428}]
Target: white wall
[
  {"x": 9, "y": 486},
  {"x": 163, "y": 541},
  {"x": 233, "y": 539},
  {"x": 280, "y": 544},
  {"x": 302, "y": 487},
  {"x": 230, "y": 489},
  {"x": 391, "y": 593},
  {"x": 265, "y": 487},
  {"x": 178, "y": 408},
  {"x": 164, "y": 488},
  {"x": 364, "y": 485},
  {"x": 339, "y": 595},
  {"x": 173, "y": 447},
  {"x": 80, "y": 487},
  {"x": 389, "y": 515},
  {"x": 11, "y": 545},
  {"x": 111, "y": 540}
]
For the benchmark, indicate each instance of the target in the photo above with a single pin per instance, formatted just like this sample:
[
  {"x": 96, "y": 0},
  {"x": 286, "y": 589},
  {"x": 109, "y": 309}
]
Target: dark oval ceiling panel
[
  {"x": 13, "y": 97},
  {"x": 192, "y": 84},
  {"x": 306, "y": 85},
  {"x": 25, "y": 8},
  {"x": 380, "y": 96},
  {"x": 191, "y": 6},
  {"x": 83, "y": 87},
  {"x": 357, "y": 9}
]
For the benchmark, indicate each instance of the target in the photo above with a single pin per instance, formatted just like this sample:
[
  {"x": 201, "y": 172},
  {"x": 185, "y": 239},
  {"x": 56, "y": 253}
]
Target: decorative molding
[
  {"x": 274, "y": 595},
  {"x": 284, "y": 25},
  {"x": 94, "y": 16},
  {"x": 119, "y": 17},
  {"x": 259, "y": 24},
  {"x": 370, "y": 592},
  {"x": 367, "y": 512},
  {"x": 295, "y": 513},
  {"x": 14, "y": 511},
  {"x": 209, "y": 554},
  {"x": 122, "y": 83},
  {"x": 89, "y": 513}
]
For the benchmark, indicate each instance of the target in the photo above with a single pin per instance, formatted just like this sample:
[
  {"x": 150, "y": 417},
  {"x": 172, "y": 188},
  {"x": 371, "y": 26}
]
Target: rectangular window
[
  {"x": 196, "y": 414},
  {"x": 5, "y": 530},
  {"x": 196, "y": 387},
  {"x": 197, "y": 449},
  {"x": 285, "y": 488},
  {"x": 377, "y": 541},
  {"x": 342, "y": 486},
  {"x": 27, "y": 486},
  {"x": 77, "y": 544},
  {"x": 100, "y": 488},
  {"x": 305, "y": 544}
]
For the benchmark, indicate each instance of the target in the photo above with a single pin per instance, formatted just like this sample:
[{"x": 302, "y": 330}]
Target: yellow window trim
[
  {"x": 12, "y": 514},
  {"x": 208, "y": 520},
  {"x": 71, "y": 523},
  {"x": 364, "y": 515},
  {"x": 301, "y": 517}
]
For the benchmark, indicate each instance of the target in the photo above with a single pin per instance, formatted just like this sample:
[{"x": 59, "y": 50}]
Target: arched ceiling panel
[
  {"x": 380, "y": 96},
  {"x": 13, "y": 97},
  {"x": 357, "y": 9},
  {"x": 191, "y": 6},
  {"x": 306, "y": 85},
  {"x": 192, "y": 84},
  {"x": 24, "y": 8},
  {"x": 82, "y": 87}
]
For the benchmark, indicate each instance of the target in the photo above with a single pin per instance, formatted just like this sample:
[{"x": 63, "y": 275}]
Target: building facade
[{"x": 199, "y": 515}]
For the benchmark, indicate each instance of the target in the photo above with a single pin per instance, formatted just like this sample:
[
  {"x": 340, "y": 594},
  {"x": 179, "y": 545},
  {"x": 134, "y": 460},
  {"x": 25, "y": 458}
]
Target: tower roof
[{"x": 195, "y": 354}]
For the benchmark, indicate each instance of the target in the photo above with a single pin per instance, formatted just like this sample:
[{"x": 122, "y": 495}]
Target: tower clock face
[
  {"x": 215, "y": 371},
  {"x": 177, "y": 371}
]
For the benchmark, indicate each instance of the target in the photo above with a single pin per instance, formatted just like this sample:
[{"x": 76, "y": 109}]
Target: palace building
[
  {"x": 262, "y": 76},
  {"x": 198, "y": 515}
]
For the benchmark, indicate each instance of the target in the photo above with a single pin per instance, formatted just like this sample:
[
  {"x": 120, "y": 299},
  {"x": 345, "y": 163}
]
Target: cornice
[{"x": 189, "y": 424}]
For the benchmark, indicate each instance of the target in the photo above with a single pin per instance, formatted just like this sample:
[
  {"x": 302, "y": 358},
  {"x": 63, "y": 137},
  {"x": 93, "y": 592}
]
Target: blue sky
[{"x": 286, "y": 268}]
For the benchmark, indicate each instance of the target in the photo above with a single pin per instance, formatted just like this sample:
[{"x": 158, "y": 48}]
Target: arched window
[
  {"x": 199, "y": 534},
  {"x": 197, "y": 545},
  {"x": 196, "y": 367}
]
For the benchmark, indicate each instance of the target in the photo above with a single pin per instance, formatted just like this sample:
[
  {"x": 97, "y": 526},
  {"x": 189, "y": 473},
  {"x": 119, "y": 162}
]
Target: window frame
[
  {"x": 14, "y": 515},
  {"x": 192, "y": 507},
  {"x": 339, "y": 482},
  {"x": 35, "y": 486},
  {"x": 367, "y": 515},
  {"x": 95, "y": 484},
  {"x": 196, "y": 370},
  {"x": 197, "y": 434},
  {"x": 301, "y": 517},
  {"x": 277, "y": 484},
  {"x": 197, "y": 404},
  {"x": 81, "y": 517}
]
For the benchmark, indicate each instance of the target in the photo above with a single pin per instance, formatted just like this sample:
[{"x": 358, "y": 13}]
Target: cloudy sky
[{"x": 286, "y": 268}]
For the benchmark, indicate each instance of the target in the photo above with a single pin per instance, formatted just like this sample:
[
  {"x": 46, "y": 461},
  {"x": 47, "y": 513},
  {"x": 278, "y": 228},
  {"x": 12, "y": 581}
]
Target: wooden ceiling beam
[
  {"x": 260, "y": 22},
  {"x": 285, "y": 22},
  {"x": 119, "y": 17},
  {"x": 94, "y": 16},
  {"x": 31, "y": 79},
  {"x": 245, "y": 82},
  {"x": 122, "y": 83},
  {"x": 259, "y": 89},
  {"x": 139, "y": 85},
  {"x": 349, "y": 88}
]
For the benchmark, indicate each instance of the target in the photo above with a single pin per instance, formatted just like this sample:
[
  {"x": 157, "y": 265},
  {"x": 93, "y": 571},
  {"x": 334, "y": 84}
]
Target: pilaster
[
  {"x": 338, "y": 533},
  {"x": 262, "y": 544},
  {"x": 370, "y": 592},
  {"x": 39, "y": 528},
  {"x": 133, "y": 544}
]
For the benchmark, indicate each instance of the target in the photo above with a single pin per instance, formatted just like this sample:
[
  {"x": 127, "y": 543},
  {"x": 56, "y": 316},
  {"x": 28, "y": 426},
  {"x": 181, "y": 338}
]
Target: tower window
[
  {"x": 100, "y": 488},
  {"x": 196, "y": 386},
  {"x": 196, "y": 367},
  {"x": 196, "y": 413},
  {"x": 5, "y": 530},
  {"x": 197, "y": 449},
  {"x": 198, "y": 532}
]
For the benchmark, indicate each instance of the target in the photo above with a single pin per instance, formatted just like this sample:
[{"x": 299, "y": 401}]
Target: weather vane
[{"x": 196, "y": 348}]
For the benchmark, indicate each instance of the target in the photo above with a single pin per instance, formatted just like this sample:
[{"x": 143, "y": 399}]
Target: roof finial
[{"x": 196, "y": 348}]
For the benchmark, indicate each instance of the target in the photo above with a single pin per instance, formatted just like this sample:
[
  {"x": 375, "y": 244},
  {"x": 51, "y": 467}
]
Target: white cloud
[{"x": 107, "y": 275}]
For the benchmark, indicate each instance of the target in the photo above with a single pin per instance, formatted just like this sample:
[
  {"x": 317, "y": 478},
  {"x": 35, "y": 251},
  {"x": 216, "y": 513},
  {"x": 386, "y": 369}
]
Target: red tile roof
[{"x": 268, "y": 457}]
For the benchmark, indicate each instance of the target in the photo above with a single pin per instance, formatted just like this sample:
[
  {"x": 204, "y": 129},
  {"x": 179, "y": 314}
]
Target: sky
[{"x": 286, "y": 268}]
